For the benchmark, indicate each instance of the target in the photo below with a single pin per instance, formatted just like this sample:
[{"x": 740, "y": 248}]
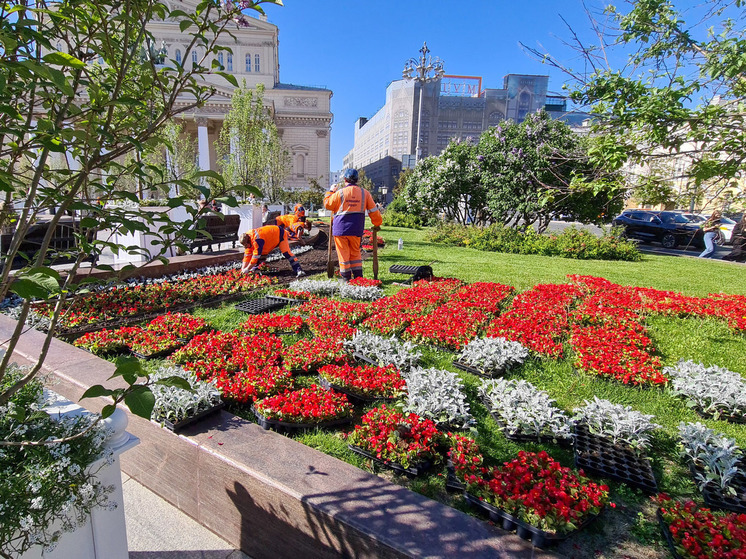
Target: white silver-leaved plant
[
  {"x": 360, "y": 292},
  {"x": 524, "y": 409},
  {"x": 438, "y": 395},
  {"x": 493, "y": 355},
  {"x": 714, "y": 390},
  {"x": 621, "y": 424},
  {"x": 276, "y": 255},
  {"x": 175, "y": 404},
  {"x": 717, "y": 456},
  {"x": 385, "y": 351},
  {"x": 315, "y": 287}
]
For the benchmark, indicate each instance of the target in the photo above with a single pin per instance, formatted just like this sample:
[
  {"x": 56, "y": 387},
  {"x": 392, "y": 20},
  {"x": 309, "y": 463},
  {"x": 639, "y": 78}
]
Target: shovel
[
  {"x": 374, "y": 238},
  {"x": 329, "y": 263}
]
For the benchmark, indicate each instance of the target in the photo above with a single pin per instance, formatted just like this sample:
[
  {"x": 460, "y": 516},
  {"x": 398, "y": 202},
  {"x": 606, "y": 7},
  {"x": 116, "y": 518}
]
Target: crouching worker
[
  {"x": 260, "y": 242},
  {"x": 351, "y": 204},
  {"x": 295, "y": 231}
]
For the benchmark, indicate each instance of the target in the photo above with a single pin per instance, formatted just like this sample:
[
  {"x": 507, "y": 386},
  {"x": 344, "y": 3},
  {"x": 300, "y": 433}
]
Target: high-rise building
[{"x": 452, "y": 107}]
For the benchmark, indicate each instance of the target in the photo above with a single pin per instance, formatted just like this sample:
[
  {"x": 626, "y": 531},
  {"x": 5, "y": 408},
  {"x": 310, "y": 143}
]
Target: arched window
[
  {"x": 194, "y": 59},
  {"x": 221, "y": 61},
  {"x": 178, "y": 56},
  {"x": 495, "y": 118},
  {"x": 230, "y": 62},
  {"x": 248, "y": 63},
  {"x": 300, "y": 165},
  {"x": 256, "y": 63}
]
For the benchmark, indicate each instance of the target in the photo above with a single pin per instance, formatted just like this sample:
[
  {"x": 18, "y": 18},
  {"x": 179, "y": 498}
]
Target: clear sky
[{"x": 355, "y": 47}]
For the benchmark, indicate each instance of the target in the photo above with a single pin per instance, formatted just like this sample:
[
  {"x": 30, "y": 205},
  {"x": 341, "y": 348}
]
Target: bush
[
  {"x": 570, "y": 243},
  {"x": 399, "y": 219}
]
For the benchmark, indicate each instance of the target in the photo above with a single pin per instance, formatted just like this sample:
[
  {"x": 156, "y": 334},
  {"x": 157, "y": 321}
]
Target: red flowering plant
[
  {"x": 308, "y": 356},
  {"x": 242, "y": 385},
  {"x": 394, "y": 437},
  {"x": 310, "y": 405},
  {"x": 389, "y": 321},
  {"x": 291, "y": 294},
  {"x": 365, "y": 282},
  {"x": 485, "y": 296},
  {"x": 468, "y": 462},
  {"x": 365, "y": 381},
  {"x": 450, "y": 326},
  {"x": 330, "y": 327},
  {"x": 147, "y": 343},
  {"x": 351, "y": 313},
  {"x": 272, "y": 324},
  {"x": 368, "y": 239},
  {"x": 537, "y": 490},
  {"x": 102, "y": 342},
  {"x": 182, "y": 325},
  {"x": 209, "y": 345},
  {"x": 700, "y": 533}
]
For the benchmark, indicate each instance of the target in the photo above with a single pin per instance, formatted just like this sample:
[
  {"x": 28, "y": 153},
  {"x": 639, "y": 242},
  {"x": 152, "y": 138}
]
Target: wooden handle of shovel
[
  {"x": 329, "y": 263},
  {"x": 375, "y": 254}
]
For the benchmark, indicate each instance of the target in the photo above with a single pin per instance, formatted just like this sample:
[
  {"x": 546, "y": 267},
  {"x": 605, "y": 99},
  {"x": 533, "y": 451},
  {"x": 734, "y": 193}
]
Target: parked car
[{"x": 670, "y": 229}]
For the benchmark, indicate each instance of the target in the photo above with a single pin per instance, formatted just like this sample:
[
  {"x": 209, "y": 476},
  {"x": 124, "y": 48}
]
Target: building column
[{"x": 203, "y": 144}]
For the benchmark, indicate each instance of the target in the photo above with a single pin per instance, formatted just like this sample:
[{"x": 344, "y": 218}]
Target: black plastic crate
[
  {"x": 714, "y": 498},
  {"x": 417, "y": 272},
  {"x": 598, "y": 456},
  {"x": 259, "y": 306},
  {"x": 412, "y": 471}
]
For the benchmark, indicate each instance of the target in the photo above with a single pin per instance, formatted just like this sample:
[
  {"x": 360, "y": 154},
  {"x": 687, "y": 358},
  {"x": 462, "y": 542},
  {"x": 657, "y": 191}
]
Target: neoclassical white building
[{"x": 302, "y": 114}]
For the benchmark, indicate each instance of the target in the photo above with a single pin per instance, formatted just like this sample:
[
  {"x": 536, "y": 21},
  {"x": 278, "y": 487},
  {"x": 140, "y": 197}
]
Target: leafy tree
[
  {"x": 678, "y": 97},
  {"x": 249, "y": 147},
  {"x": 313, "y": 195}
]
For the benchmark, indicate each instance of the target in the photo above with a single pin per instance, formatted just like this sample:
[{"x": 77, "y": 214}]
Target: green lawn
[{"x": 629, "y": 530}]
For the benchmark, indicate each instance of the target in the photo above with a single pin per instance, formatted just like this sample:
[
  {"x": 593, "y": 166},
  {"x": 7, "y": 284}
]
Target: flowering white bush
[
  {"x": 714, "y": 390},
  {"x": 315, "y": 287},
  {"x": 437, "y": 395},
  {"x": 619, "y": 423},
  {"x": 493, "y": 355},
  {"x": 175, "y": 404},
  {"x": 41, "y": 484},
  {"x": 718, "y": 456},
  {"x": 524, "y": 409},
  {"x": 385, "y": 351},
  {"x": 360, "y": 292}
]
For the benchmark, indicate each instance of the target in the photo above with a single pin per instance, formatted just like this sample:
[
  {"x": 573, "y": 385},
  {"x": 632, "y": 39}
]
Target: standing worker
[
  {"x": 260, "y": 242},
  {"x": 351, "y": 204}
]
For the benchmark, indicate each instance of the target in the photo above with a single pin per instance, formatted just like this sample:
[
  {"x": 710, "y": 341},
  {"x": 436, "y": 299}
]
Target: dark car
[{"x": 670, "y": 229}]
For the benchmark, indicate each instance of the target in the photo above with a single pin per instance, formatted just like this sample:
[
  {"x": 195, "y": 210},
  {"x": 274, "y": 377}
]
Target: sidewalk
[{"x": 158, "y": 530}]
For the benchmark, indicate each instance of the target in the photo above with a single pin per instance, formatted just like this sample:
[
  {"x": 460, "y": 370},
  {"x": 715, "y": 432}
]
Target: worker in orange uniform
[
  {"x": 293, "y": 224},
  {"x": 295, "y": 231},
  {"x": 260, "y": 242},
  {"x": 351, "y": 204},
  {"x": 300, "y": 212}
]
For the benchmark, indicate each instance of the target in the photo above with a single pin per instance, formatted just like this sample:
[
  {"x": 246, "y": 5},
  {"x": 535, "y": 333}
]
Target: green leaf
[
  {"x": 96, "y": 391},
  {"x": 176, "y": 382},
  {"x": 128, "y": 367},
  {"x": 229, "y": 77},
  {"x": 140, "y": 401},
  {"x": 40, "y": 283},
  {"x": 63, "y": 59},
  {"x": 184, "y": 24},
  {"x": 108, "y": 410}
]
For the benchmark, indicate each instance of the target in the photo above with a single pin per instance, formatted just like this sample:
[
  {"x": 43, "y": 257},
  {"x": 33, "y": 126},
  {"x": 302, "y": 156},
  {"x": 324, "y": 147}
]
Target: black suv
[{"x": 668, "y": 228}]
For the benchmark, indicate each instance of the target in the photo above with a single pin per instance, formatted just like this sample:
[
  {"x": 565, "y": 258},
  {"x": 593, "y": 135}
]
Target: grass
[{"x": 630, "y": 529}]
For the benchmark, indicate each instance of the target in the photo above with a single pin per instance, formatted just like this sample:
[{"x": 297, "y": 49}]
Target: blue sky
[{"x": 355, "y": 48}]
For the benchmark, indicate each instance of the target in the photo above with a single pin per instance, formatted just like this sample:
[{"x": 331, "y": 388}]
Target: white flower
[{"x": 37, "y": 503}]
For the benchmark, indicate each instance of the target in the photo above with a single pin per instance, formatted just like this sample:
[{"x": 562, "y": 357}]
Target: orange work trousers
[{"x": 348, "y": 254}]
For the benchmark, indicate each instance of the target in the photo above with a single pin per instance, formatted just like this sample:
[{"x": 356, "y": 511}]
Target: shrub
[{"x": 395, "y": 218}]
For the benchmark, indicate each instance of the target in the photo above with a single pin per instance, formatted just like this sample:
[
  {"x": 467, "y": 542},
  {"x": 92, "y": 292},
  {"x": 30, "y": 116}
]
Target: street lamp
[{"x": 422, "y": 70}]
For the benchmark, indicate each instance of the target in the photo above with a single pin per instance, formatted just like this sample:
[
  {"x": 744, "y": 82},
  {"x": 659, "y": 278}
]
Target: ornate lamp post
[{"x": 422, "y": 70}]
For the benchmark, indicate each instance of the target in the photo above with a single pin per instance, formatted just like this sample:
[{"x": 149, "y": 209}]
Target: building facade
[
  {"x": 302, "y": 114},
  {"x": 452, "y": 107}
]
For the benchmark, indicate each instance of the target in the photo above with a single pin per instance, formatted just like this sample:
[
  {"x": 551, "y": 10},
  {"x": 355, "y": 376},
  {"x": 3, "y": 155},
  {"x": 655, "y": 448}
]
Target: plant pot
[
  {"x": 283, "y": 426},
  {"x": 597, "y": 455},
  {"x": 179, "y": 425},
  {"x": 412, "y": 471}
]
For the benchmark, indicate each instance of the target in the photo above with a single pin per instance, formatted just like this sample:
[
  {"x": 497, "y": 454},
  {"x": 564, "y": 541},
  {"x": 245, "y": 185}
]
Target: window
[
  {"x": 230, "y": 62},
  {"x": 178, "y": 56},
  {"x": 256, "y": 63},
  {"x": 221, "y": 61},
  {"x": 194, "y": 59},
  {"x": 248, "y": 63}
]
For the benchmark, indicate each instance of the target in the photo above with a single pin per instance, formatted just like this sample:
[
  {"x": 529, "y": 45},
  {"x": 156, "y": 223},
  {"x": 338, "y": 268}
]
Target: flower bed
[
  {"x": 368, "y": 383},
  {"x": 181, "y": 325},
  {"x": 272, "y": 324},
  {"x": 102, "y": 342},
  {"x": 308, "y": 356},
  {"x": 438, "y": 395},
  {"x": 713, "y": 391},
  {"x": 489, "y": 357},
  {"x": 307, "y": 407},
  {"x": 449, "y": 326}
]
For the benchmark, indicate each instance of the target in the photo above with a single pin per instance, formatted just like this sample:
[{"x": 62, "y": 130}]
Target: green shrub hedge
[
  {"x": 399, "y": 219},
  {"x": 570, "y": 243}
]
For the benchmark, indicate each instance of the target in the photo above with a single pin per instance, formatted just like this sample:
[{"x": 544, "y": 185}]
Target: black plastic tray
[
  {"x": 453, "y": 485},
  {"x": 472, "y": 370},
  {"x": 508, "y": 522},
  {"x": 667, "y": 535},
  {"x": 598, "y": 456},
  {"x": 277, "y": 425},
  {"x": 327, "y": 385},
  {"x": 714, "y": 498},
  {"x": 412, "y": 471},
  {"x": 417, "y": 272},
  {"x": 287, "y": 300},
  {"x": 157, "y": 355},
  {"x": 179, "y": 425},
  {"x": 259, "y": 306}
]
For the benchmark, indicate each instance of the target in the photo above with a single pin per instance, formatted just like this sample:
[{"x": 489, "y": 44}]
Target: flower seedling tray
[
  {"x": 156, "y": 355},
  {"x": 286, "y": 300},
  {"x": 412, "y": 471},
  {"x": 714, "y": 498},
  {"x": 473, "y": 370},
  {"x": 508, "y": 522},
  {"x": 520, "y": 438},
  {"x": 259, "y": 306},
  {"x": 327, "y": 385},
  {"x": 597, "y": 455},
  {"x": 667, "y": 535},
  {"x": 179, "y": 425},
  {"x": 453, "y": 485},
  {"x": 282, "y": 426}
]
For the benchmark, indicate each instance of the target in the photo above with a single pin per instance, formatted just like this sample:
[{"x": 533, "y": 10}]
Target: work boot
[{"x": 300, "y": 274}]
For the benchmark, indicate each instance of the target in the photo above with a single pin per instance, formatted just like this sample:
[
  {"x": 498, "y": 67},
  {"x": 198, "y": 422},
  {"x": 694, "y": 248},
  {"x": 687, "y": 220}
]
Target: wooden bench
[
  {"x": 62, "y": 246},
  {"x": 219, "y": 229}
]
